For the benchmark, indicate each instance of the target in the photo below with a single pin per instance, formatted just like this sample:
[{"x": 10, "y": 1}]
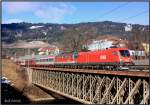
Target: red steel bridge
[{"x": 91, "y": 86}]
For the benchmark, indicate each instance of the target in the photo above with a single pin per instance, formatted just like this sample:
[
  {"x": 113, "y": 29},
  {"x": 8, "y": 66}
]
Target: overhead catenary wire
[
  {"x": 120, "y": 6},
  {"x": 138, "y": 14},
  {"x": 114, "y": 9}
]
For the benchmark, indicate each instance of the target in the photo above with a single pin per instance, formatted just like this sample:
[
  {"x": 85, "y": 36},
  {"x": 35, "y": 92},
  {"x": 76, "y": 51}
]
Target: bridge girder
[{"x": 93, "y": 88}]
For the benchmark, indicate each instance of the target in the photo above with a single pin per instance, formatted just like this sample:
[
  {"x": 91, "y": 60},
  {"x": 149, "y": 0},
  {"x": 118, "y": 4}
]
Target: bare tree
[
  {"x": 74, "y": 39},
  {"x": 137, "y": 38}
]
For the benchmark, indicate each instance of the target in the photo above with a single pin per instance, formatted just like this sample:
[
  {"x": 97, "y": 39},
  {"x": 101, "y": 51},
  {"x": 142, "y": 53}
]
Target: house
[
  {"x": 146, "y": 48},
  {"x": 53, "y": 50},
  {"x": 99, "y": 44}
]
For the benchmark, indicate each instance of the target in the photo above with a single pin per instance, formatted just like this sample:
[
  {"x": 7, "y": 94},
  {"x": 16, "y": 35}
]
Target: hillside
[
  {"x": 70, "y": 37},
  {"x": 55, "y": 32}
]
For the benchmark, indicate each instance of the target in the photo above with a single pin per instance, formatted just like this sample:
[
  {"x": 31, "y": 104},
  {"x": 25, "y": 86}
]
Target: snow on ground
[
  {"x": 33, "y": 44},
  {"x": 34, "y": 27},
  {"x": 24, "y": 44}
]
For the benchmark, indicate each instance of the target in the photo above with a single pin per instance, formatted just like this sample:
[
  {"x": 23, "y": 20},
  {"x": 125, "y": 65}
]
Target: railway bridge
[{"x": 95, "y": 86}]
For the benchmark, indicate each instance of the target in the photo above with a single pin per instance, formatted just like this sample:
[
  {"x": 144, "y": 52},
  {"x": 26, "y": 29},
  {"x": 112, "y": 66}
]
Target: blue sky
[{"x": 75, "y": 12}]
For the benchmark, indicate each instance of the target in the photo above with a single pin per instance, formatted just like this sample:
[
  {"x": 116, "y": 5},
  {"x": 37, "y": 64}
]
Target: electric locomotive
[{"x": 112, "y": 57}]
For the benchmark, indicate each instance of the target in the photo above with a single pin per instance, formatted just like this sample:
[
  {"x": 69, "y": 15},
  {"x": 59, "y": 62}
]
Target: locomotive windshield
[{"x": 124, "y": 53}]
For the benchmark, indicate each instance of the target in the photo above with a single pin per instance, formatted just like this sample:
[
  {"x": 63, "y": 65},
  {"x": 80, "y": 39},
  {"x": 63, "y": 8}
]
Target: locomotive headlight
[{"x": 120, "y": 59}]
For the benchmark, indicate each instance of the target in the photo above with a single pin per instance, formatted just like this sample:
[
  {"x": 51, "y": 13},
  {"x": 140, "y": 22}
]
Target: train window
[
  {"x": 50, "y": 60},
  {"x": 124, "y": 53},
  {"x": 66, "y": 56},
  {"x": 115, "y": 53}
]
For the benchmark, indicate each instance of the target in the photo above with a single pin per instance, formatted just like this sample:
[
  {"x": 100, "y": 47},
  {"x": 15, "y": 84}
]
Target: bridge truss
[{"x": 94, "y": 88}]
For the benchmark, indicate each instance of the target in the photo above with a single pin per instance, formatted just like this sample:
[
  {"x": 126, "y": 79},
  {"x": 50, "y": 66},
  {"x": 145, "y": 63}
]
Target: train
[{"x": 110, "y": 58}]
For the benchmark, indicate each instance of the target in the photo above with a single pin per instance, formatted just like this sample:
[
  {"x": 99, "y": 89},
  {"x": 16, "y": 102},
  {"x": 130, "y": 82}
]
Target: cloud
[
  {"x": 56, "y": 12},
  {"x": 19, "y": 7},
  {"x": 12, "y": 21},
  {"x": 53, "y": 11}
]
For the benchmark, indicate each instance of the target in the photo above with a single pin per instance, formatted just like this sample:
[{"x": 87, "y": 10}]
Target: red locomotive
[{"x": 111, "y": 57}]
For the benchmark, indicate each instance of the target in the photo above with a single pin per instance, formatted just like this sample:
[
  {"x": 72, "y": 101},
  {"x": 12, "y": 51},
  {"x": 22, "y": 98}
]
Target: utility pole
[
  {"x": 29, "y": 55},
  {"x": 15, "y": 57}
]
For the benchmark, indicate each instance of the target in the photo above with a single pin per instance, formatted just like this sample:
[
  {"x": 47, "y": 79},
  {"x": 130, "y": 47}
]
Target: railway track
[
  {"x": 95, "y": 67},
  {"x": 132, "y": 73},
  {"x": 134, "y": 70},
  {"x": 139, "y": 67}
]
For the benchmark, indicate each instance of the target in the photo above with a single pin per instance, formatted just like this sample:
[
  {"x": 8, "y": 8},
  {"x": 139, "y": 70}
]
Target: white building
[
  {"x": 137, "y": 53},
  {"x": 53, "y": 50},
  {"x": 100, "y": 44},
  {"x": 128, "y": 27}
]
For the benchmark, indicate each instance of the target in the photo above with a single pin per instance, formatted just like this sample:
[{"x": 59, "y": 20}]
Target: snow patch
[
  {"x": 36, "y": 42},
  {"x": 34, "y": 27},
  {"x": 62, "y": 28},
  {"x": 50, "y": 28},
  {"x": 45, "y": 33}
]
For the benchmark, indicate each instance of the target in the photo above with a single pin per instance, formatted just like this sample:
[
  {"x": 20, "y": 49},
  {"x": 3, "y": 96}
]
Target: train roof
[
  {"x": 88, "y": 52},
  {"x": 44, "y": 57},
  {"x": 68, "y": 54},
  {"x": 116, "y": 48},
  {"x": 25, "y": 57},
  {"x": 35, "y": 57}
]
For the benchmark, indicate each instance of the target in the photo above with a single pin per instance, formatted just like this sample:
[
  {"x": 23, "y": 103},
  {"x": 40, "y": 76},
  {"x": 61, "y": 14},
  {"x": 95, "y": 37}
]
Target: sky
[{"x": 75, "y": 12}]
